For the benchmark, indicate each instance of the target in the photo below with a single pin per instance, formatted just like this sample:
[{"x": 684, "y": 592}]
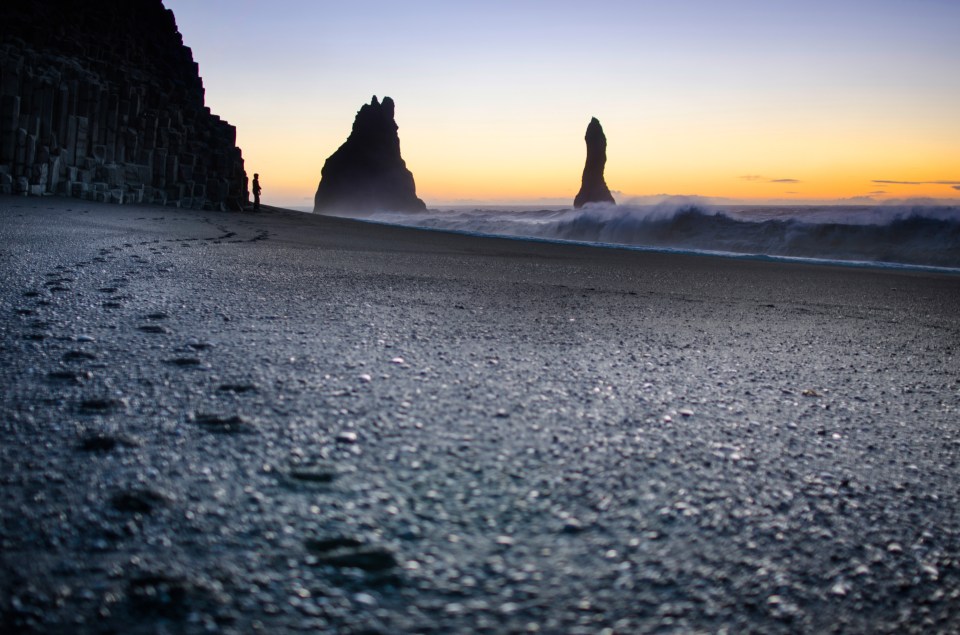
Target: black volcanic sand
[{"x": 277, "y": 422}]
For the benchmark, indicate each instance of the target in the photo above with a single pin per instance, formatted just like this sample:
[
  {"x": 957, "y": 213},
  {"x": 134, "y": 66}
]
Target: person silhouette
[{"x": 256, "y": 192}]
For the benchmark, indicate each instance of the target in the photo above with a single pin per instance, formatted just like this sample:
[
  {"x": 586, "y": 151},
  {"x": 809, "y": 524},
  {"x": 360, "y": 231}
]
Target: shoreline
[
  {"x": 892, "y": 267},
  {"x": 431, "y": 221},
  {"x": 679, "y": 251}
]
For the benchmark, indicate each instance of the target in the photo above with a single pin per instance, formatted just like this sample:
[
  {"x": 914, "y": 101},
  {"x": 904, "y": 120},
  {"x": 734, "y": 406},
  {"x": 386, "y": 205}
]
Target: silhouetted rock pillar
[
  {"x": 593, "y": 188},
  {"x": 367, "y": 173}
]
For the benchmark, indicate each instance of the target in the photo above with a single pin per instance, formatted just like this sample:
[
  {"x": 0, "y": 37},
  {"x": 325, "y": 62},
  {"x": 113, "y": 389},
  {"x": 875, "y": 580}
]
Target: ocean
[{"x": 907, "y": 236}]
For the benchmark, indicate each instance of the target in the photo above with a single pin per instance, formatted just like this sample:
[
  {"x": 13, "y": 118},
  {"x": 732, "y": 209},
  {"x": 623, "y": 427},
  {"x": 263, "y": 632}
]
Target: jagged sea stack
[
  {"x": 593, "y": 188},
  {"x": 367, "y": 174}
]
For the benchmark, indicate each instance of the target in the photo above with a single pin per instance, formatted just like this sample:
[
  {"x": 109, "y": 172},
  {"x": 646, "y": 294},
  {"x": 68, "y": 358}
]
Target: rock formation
[
  {"x": 100, "y": 99},
  {"x": 593, "y": 188},
  {"x": 366, "y": 173}
]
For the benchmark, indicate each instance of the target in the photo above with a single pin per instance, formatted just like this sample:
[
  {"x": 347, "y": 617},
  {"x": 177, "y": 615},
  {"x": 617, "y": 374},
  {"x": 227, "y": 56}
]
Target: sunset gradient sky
[{"x": 743, "y": 99}]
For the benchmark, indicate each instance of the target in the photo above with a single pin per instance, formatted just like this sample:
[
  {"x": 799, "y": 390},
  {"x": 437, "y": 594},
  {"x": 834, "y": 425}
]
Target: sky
[{"x": 755, "y": 100}]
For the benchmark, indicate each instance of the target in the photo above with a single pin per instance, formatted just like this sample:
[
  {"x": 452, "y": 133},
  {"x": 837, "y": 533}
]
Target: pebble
[
  {"x": 572, "y": 526},
  {"x": 365, "y": 598},
  {"x": 840, "y": 588},
  {"x": 347, "y": 437}
]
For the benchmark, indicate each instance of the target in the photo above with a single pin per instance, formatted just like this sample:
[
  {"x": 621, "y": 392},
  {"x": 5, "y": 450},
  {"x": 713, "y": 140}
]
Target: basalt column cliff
[
  {"x": 593, "y": 188},
  {"x": 366, "y": 173},
  {"x": 100, "y": 100}
]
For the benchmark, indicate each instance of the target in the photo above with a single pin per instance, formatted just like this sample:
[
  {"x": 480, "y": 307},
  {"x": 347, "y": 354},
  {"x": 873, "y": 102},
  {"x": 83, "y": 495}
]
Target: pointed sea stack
[
  {"x": 367, "y": 174},
  {"x": 594, "y": 188}
]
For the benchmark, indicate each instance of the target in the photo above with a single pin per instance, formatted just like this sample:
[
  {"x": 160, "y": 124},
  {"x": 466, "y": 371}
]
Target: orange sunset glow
[{"x": 826, "y": 102}]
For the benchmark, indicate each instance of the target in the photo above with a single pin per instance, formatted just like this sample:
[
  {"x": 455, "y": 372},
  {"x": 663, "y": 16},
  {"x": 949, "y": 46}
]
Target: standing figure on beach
[{"x": 256, "y": 192}]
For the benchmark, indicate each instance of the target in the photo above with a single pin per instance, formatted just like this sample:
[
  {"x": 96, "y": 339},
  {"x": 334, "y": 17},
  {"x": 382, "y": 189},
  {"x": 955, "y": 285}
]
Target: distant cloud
[
  {"x": 764, "y": 179},
  {"x": 956, "y": 187},
  {"x": 954, "y": 183},
  {"x": 877, "y": 193}
]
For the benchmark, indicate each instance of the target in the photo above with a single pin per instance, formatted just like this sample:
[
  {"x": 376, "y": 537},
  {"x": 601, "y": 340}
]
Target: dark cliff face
[
  {"x": 100, "y": 99},
  {"x": 367, "y": 173},
  {"x": 593, "y": 188}
]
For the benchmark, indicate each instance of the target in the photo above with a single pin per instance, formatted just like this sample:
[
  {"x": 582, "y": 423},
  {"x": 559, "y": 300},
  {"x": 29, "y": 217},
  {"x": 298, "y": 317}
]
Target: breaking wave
[{"x": 918, "y": 235}]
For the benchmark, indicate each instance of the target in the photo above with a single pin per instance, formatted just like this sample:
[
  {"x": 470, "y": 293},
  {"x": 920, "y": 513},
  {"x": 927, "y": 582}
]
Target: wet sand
[{"x": 281, "y": 422}]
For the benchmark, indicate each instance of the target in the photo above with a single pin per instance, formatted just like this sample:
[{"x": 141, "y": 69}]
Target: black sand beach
[{"x": 280, "y": 422}]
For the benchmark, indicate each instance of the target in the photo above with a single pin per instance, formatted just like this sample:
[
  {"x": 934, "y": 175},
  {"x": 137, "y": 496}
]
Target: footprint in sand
[
  {"x": 308, "y": 477},
  {"x": 344, "y": 552},
  {"x": 68, "y": 376},
  {"x": 225, "y": 424},
  {"x": 237, "y": 388},
  {"x": 100, "y": 405},
  {"x": 99, "y": 441},
  {"x": 58, "y": 285},
  {"x": 142, "y": 500},
  {"x": 155, "y": 329},
  {"x": 185, "y": 362},
  {"x": 78, "y": 356}
]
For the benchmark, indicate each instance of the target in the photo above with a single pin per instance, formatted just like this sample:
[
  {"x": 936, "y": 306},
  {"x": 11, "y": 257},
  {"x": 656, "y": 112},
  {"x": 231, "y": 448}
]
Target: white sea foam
[{"x": 904, "y": 234}]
